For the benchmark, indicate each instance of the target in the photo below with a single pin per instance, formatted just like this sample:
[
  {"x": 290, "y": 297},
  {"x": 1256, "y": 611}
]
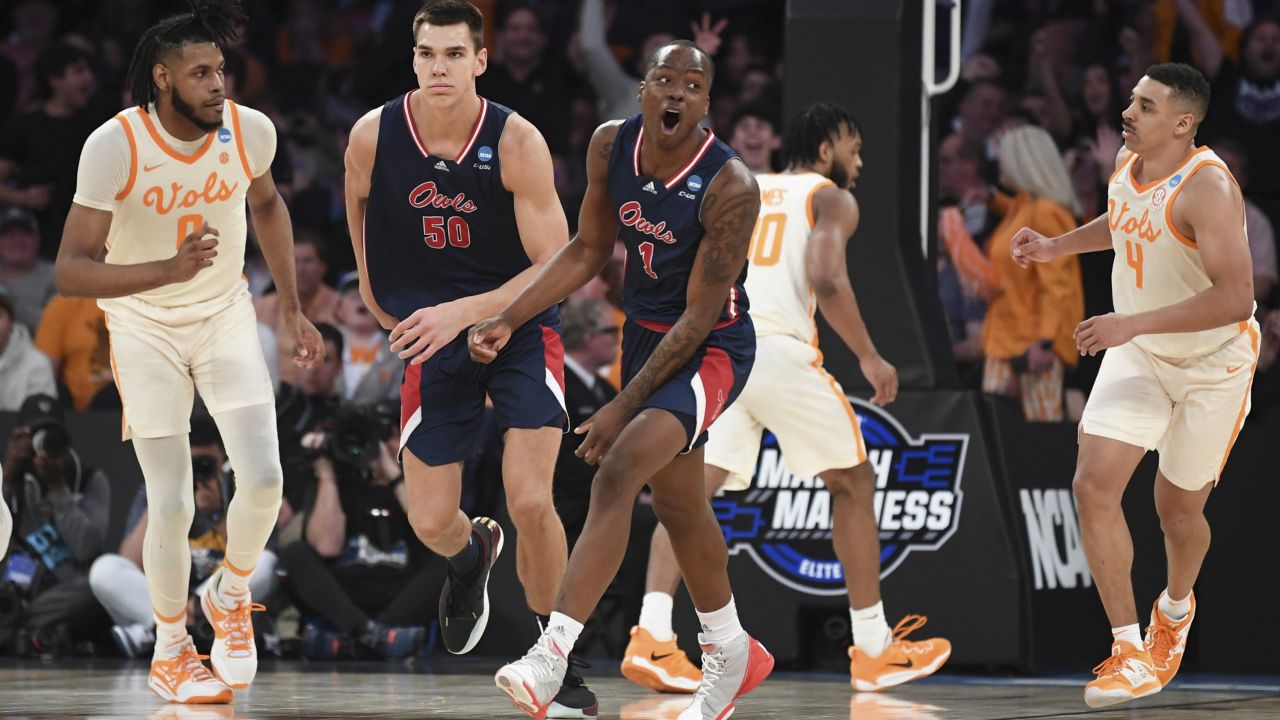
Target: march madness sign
[{"x": 784, "y": 522}]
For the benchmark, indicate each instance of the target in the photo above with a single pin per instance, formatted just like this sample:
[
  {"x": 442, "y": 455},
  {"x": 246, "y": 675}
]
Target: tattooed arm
[
  {"x": 729, "y": 215},
  {"x": 570, "y": 268}
]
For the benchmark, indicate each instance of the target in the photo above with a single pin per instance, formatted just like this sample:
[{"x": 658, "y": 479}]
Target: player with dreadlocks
[{"x": 162, "y": 187}]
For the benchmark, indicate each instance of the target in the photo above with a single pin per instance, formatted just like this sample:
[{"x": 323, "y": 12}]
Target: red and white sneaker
[{"x": 729, "y": 671}]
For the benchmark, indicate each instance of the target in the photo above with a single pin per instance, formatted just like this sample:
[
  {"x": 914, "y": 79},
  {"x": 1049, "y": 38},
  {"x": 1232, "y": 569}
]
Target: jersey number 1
[
  {"x": 436, "y": 232},
  {"x": 646, "y": 254}
]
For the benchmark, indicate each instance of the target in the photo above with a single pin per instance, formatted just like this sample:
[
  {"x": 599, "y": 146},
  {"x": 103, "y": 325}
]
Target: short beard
[
  {"x": 188, "y": 111},
  {"x": 839, "y": 174}
]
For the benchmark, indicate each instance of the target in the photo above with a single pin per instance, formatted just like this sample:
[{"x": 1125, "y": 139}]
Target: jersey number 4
[{"x": 437, "y": 232}]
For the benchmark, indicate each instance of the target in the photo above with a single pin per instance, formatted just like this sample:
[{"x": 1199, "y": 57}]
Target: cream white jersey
[
  {"x": 782, "y": 299},
  {"x": 1156, "y": 265},
  {"x": 160, "y": 189}
]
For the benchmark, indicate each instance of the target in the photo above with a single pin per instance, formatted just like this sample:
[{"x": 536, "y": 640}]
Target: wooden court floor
[{"x": 115, "y": 689}]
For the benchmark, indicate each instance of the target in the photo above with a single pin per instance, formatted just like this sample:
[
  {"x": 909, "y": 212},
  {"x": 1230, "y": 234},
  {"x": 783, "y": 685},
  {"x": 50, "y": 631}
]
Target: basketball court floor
[{"x": 115, "y": 689}]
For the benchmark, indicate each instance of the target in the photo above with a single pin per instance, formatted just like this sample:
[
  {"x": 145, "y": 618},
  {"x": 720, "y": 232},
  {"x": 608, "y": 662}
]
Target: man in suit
[{"x": 590, "y": 343}]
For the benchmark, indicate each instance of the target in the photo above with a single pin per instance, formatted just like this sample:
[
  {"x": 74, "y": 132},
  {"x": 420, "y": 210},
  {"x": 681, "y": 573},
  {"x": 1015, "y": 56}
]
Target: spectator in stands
[
  {"x": 305, "y": 405},
  {"x": 117, "y": 579},
  {"x": 981, "y": 112},
  {"x": 319, "y": 301},
  {"x": 753, "y": 134},
  {"x": 73, "y": 334},
  {"x": 34, "y": 23},
  {"x": 1262, "y": 238},
  {"x": 1246, "y": 105},
  {"x": 24, "y": 370},
  {"x": 1027, "y": 335},
  {"x": 960, "y": 183},
  {"x": 526, "y": 79},
  {"x": 590, "y": 346},
  {"x": 40, "y": 149},
  {"x": 615, "y": 86},
  {"x": 23, "y": 273},
  {"x": 370, "y": 371},
  {"x": 1099, "y": 110},
  {"x": 359, "y": 573},
  {"x": 59, "y": 504}
]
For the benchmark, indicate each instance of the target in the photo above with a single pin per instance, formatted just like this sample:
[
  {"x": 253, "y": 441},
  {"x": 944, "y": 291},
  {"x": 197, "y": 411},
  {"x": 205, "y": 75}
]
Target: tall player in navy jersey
[
  {"x": 684, "y": 205},
  {"x": 452, "y": 209}
]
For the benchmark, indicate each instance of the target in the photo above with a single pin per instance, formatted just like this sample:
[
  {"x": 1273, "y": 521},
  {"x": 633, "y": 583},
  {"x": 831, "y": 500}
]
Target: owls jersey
[
  {"x": 660, "y": 224},
  {"x": 782, "y": 300},
  {"x": 1156, "y": 265},
  {"x": 163, "y": 192},
  {"x": 438, "y": 229}
]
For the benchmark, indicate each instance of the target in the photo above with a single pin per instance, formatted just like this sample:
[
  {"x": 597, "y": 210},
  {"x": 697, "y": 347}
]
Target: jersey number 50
[{"x": 437, "y": 232}]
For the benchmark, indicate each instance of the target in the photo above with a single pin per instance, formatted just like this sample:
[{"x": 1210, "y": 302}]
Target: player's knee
[
  {"x": 171, "y": 510},
  {"x": 850, "y": 484},
  {"x": 530, "y": 507},
  {"x": 1177, "y": 521},
  {"x": 1093, "y": 491},
  {"x": 432, "y": 525},
  {"x": 264, "y": 485},
  {"x": 615, "y": 483},
  {"x": 677, "y": 512}
]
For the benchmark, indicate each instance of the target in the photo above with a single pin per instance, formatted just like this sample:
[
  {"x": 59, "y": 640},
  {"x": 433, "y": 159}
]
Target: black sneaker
[
  {"x": 464, "y": 602},
  {"x": 575, "y": 699},
  {"x": 393, "y": 643}
]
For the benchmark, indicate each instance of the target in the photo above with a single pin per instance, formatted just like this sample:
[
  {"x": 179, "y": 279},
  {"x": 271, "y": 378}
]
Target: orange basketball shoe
[
  {"x": 234, "y": 657},
  {"x": 660, "y": 666},
  {"x": 1127, "y": 675},
  {"x": 1167, "y": 639},
  {"x": 183, "y": 678},
  {"x": 902, "y": 661}
]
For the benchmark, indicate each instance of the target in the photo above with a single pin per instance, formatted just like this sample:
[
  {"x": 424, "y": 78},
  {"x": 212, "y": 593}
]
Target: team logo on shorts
[
  {"x": 694, "y": 183},
  {"x": 224, "y": 135},
  {"x": 485, "y": 153},
  {"x": 784, "y": 522}
]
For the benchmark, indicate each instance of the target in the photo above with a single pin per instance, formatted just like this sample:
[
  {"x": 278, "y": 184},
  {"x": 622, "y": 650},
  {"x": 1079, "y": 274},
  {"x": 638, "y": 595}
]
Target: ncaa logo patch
[
  {"x": 694, "y": 183},
  {"x": 224, "y": 135},
  {"x": 784, "y": 522},
  {"x": 1173, "y": 181},
  {"x": 485, "y": 153}
]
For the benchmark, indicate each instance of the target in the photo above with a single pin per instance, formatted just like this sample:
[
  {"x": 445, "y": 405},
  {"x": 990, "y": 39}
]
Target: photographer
[
  {"x": 60, "y": 507},
  {"x": 117, "y": 579},
  {"x": 359, "y": 568}
]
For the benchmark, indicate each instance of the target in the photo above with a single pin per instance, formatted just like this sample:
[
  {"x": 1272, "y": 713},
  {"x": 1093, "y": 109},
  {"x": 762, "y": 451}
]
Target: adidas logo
[
  {"x": 441, "y": 166},
  {"x": 649, "y": 188}
]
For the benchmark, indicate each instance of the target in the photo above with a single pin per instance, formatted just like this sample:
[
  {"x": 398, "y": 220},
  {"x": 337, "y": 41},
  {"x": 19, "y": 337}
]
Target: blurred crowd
[{"x": 1028, "y": 137}]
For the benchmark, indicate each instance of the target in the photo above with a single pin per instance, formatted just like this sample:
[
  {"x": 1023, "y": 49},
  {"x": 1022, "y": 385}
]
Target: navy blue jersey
[
  {"x": 661, "y": 228},
  {"x": 438, "y": 229}
]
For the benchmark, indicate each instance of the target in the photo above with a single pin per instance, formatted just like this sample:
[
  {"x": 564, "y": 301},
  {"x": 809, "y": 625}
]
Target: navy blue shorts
[
  {"x": 706, "y": 385},
  {"x": 442, "y": 400}
]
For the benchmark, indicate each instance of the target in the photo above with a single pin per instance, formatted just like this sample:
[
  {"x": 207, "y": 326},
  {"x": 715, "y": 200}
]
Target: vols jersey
[
  {"x": 782, "y": 299},
  {"x": 1156, "y": 265},
  {"x": 161, "y": 189},
  {"x": 438, "y": 229},
  {"x": 661, "y": 226}
]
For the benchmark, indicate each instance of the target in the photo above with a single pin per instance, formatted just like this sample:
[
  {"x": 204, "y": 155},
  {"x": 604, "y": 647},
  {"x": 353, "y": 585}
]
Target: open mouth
[{"x": 670, "y": 121}]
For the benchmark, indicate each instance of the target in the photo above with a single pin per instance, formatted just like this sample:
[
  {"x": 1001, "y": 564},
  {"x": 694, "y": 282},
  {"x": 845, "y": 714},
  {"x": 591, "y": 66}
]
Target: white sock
[
  {"x": 567, "y": 627},
  {"x": 721, "y": 626},
  {"x": 1174, "y": 609},
  {"x": 655, "y": 616},
  {"x": 169, "y": 632},
  {"x": 233, "y": 585},
  {"x": 1129, "y": 633},
  {"x": 871, "y": 633}
]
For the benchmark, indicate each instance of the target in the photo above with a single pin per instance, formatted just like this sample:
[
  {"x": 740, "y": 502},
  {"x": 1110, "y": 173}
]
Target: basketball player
[
  {"x": 452, "y": 209},
  {"x": 1181, "y": 350},
  {"x": 175, "y": 173},
  {"x": 684, "y": 206},
  {"x": 797, "y": 257}
]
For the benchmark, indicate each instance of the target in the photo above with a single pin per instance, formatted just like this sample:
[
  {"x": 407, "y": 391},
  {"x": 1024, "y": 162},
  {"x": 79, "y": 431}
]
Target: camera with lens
[
  {"x": 352, "y": 436},
  {"x": 204, "y": 468},
  {"x": 51, "y": 440}
]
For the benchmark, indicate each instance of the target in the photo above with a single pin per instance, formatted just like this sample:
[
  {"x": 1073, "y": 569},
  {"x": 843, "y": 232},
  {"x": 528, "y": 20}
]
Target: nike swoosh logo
[
  {"x": 908, "y": 664},
  {"x": 1233, "y": 369},
  {"x": 656, "y": 657},
  {"x": 149, "y": 168}
]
